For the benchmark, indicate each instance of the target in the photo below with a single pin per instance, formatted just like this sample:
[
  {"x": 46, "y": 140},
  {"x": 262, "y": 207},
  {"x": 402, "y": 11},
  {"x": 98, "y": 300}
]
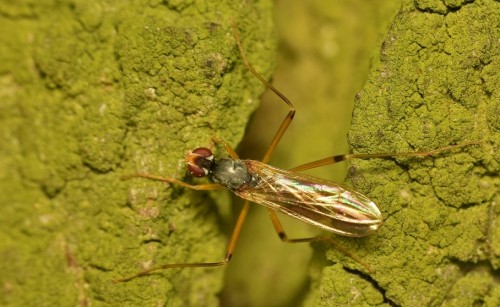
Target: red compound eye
[
  {"x": 200, "y": 161},
  {"x": 204, "y": 152}
]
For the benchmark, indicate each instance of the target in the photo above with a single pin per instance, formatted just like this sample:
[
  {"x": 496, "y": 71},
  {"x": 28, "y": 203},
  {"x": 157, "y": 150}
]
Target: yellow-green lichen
[
  {"x": 427, "y": 91},
  {"x": 92, "y": 91}
]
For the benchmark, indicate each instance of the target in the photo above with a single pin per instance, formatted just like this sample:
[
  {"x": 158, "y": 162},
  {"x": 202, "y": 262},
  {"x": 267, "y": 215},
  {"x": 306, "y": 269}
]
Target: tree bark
[
  {"x": 96, "y": 90},
  {"x": 434, "y": 84}
]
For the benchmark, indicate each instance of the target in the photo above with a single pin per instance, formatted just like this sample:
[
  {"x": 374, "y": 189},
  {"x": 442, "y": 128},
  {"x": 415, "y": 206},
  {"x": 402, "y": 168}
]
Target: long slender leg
[
  {"x": 199, "y": 187},
  {"x": 346, "y": 157},
  {"x": 291, "y": 112},
  {"x": 228, "y": 147},
  {"x": 283, "y": 236},
  {"x": 229, "y": 252},
  {"x": 230, "y": 246}
]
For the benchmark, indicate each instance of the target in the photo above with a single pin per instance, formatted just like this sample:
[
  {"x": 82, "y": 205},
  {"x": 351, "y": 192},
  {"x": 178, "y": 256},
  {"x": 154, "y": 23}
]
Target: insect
[{"x": 335, "y": 208}]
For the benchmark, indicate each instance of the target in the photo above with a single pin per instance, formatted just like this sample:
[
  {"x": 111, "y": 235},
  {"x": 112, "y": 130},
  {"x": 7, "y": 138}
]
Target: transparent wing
[{"x": 316, "y": 201}]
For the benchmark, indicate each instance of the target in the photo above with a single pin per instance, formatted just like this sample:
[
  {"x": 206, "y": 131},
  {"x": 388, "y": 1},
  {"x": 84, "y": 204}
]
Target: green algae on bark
[
  {"x": 434, "y": 84},
  {"x": 95, "y": 90}
]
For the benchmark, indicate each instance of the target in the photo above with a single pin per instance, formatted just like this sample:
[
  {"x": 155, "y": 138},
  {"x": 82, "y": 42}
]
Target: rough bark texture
[
  {"x": 435, "y": 84},
  {"x": 95, "y": 90}
]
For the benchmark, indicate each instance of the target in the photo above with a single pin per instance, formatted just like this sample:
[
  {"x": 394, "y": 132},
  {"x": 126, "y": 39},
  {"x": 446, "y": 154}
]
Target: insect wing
[{"x": 316, "y": 201}]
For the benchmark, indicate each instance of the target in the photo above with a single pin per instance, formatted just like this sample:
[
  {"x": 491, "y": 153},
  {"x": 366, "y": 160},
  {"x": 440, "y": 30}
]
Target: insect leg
[
  {"x": 291, "y": 112},
  {"x": 229, "y": 251},
  {"x": 283, "y": 236},
  {"x": 199, "y": 187},
  {"x": 346, "y": 157},
  {"x": 228, "y": 147}
]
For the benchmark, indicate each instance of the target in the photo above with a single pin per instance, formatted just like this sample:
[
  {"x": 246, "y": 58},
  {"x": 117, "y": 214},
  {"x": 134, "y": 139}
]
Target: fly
[{"x": 325, "y": 204}]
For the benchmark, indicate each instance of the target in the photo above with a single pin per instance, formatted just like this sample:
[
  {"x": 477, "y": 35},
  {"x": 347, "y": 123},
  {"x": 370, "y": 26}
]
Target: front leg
[{"x": 199, "y": 187}]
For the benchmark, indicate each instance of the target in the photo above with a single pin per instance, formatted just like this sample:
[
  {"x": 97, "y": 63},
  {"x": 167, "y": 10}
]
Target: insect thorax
[{"x": 232, "y": 174}]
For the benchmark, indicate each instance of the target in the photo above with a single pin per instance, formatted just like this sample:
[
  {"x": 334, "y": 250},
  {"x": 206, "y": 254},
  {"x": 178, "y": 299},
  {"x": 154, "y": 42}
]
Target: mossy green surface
[
  {"x": 435, "y": 84},
  {"x": 95, "y": 90}
]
